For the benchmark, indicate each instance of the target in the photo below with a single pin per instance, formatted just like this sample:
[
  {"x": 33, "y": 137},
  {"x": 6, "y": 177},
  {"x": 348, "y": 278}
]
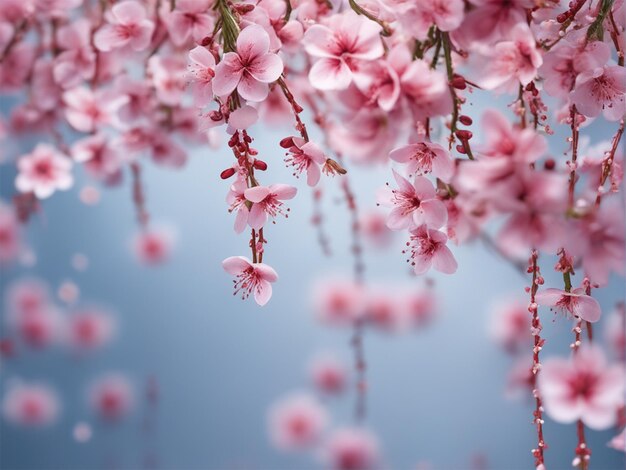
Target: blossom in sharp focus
[
  {"x": 250, "y": 68},
  {"x": 304, "y": 157},
  {"x": 601, "y": 91},
  {"x": 427, "y": 248},
  {"x": 583, "y": 387},
  {"x": 575, "y": 303},
  {"x": 251, "y": 278},
  {"x": 297, "y": 422},
  {"x": 127, "y": 25},
  {"x": 44, "y": 171},
  {"x": 201, "y": 70},
  {"x": 424, "y": 158},
  {"x": 267, "y": 202}
]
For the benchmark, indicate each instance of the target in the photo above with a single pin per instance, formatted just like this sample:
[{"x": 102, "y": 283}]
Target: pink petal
[
  {"x": 283, "y": 191},
  {"x": 402, "y": 154},
  {"x": 267, "y": 272},
  {"x": 266, "y": 68},
  {"x": 201, "y": 56},
  {"x": 403, "y": 184},
  {"x": 253, "y": 41},
  {"x": 587, "y": 308},
  {"x": 251, "y": 89},
  {"x": 242, "y": 118},
  {"x": 318, "y": 41},
  {"x": 443, "y": 260},
  {"x": 398, "y": 220},
  {"x": 313, "y": 174},
  {"x": 330, "y": 74},
  {"x": 227, "y": 74},
  {"x": 241, "y": 219},
  {"x": 143, "y": 37},
  {"x": 108, "y": 38},
  {"x": 257, "y": 194},
  {"x": 128, "y": 12},
  {"x": 549, "y": 297},
  {"x": 236, "y": 264},
  {"x": 424, "y": 189},
  {"x": 435, "y": 213},
  {"x": 258, "y": 217},
  {"x": 443, "y": 165},
  {"x": 263, "y": 292}
]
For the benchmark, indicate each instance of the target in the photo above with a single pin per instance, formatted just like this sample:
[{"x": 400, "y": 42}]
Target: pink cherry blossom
[
  {"x": 250, "y": 68},
  {"x": 251, "y": 278},
  {"x": 201, "y": 72},
  {"x": 89, "y": 328},
  {"x": 351, "y": 449},
  {"x": 601, "y": 90},
  {"x": 584, "y": 387},
  {"x": 338, "y": 302},
  {"x": 511, "y": 62},
  {"x": 87, "y": 111},
  {"x": 413, "y": 204},
  {"x": 267, "y": 202},
  {"x": 154, "y": 246},
  {"x": 575, "y": 303},
  {"x": 510, "y": 325},
  {"x": 297, "y": 422},
  {"x": 425, "y": 157},
  {"x": 426, "y": 90},
  {"x": 26, "y": 296},
  {"x": 189, "y": 19},
  {"x": 374, "y": 228},
  {"x": 339, "y": 46},
  {"x": 446, "y": 15},
  {"x": 419, "y": 307},
  {"x": 304, "y": 156},
  {"x": 427, "y": 248},
  {"x": 328, "y": 374},
  {"x": 169, "y": 78},
  {"x": 111, "y": 396},
  {"x": 44, "y": 171},
  {"x": 9, "y": 235},
  {"x": 383, "y": 311},
  {"x": 127, "y": 26},
  {"x": 33, "y": 405},
  {"x": 77, "y": 62}
]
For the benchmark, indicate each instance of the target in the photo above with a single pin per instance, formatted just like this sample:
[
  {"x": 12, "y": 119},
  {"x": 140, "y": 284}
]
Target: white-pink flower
[
  {"x": 413, "y": 204},
  {"x": 328, "y": 374},
  {"x": 9, "y": 234},
  {"x": 127, "y": 25},
  {"x": 297, "y": 422},
  {"x": 425, "y": 157},
  {"x": 250, "y": 68},
  {"x": 189, "y": 19},
  {"x": 304, "y": 156},
  {"x": 43, "y": 171},
  {"x": 601, "y": 90},
  {"x": 201, "y": 72},
  {"x": 352, "y": 449},
  {"x": 111, "y": 396},
  {"x": 251, "y": 278},
  {"x": 575, "y": 303},
  {"x": 30, "y": 405},
  {"x": 154, "y": 246},
  {"x": 584, "y": 387},
  {"x": 427, "y": 248},
  {"x": 267, "y": 202},
  {"x": 87, "y": 110},
  {"x": 89, "y": 328},
  {"x": 340, "y": 45}
]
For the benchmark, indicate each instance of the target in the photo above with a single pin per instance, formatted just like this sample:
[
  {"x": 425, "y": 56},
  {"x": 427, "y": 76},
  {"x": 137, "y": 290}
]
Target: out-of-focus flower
[
  {"x": 297, "y": 422},
  {"x": 34, "y": 405}
]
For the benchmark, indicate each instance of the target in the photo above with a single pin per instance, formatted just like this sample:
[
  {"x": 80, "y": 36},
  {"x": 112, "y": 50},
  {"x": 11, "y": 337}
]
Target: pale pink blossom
[
  {"x": 87, "y": 111},
  {"x": 33, "y": 405},
  {"x": 340, "y": 45},
  {"x": 510, "y": 325},
  {"x": 127, "y": 25},
  {"x": 426, "y": 90},
  {"x": 251, "y": 278},
  {"x": 201, "y": 72},
  {"x": 338, "y": 302},
  {"x": 351, "y": 449},
  {"x": 304, "y": 157},
  {"x": 89, "y": 328},
  {"x": 9, "y": 234},
  {"x": 25, "y": 296},
  {"x": 238, "y": 203},
  {"x": 447, "y": 15},
  {"x": 424, "y": 158},
  {"x": 413, "y": 204},
  {"x": 575, "y": 303},
  {"x": 267, "y": 202},
  {"x": 250, "y": 68},
  {"x": 511, "y": 62},
  {"x": 328, "y": 375},
  {"x": 190, "y": 19},
  {"x": 583, "y": 387},
  {"x": 44, "y": 171},
  {"x": 77, "y": 62},
  {"x": 297, "y": 422},
  {"x": 601, "y": 91},
  {"x": 373, "y": 225},
  {"x": 419, "y": 307},
  {"x": 168, "y": 77},
  {"x": 111, "y": 396},
  {"x": 427, "y": 248},
  {"x": 154, "y": 246},
  {"x": 382, "y": 310}
]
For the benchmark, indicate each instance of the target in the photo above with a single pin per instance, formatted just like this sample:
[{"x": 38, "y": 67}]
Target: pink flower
[
  {"x": 267, "y": 202},
  {"x": 584, "y": 387},
  {"x": 26, "y": 296},
  {"x": 328, "y": 375},
  {"x": 89, "y": 329},
  {"x": 602, "y": 90},
  {"x": 338, "y": 302},
  {"x": 427, "y": 248},
  {"x": 9, "y": 234},
  {"x": 43, "y": 171},
  {"x": 128, "y": 25},
  {"x": 510, "y": 325},
  {"x": 341, "y": 45},
  {"x": 576, "y": 303},
  {"x": 419, "y": 307},
  {"x": 168, "y": 77},
  {"x": 201, "y": 72},
  {"x": 251, "y": 278},
  {"x": 511, "y": 62},
  {"x": 383, "y": 311},
  {"x": 250, "y": 69},
  {"x": 447, "y": 15},
  {"x": 425, "y": 157},
  {"x": 77, "y": 62},
  {"x": 111, "y": 396},
  {"x": 86, "y": 110},
  {"x": 304, "y": 156},
  {"x": 38, "y": 328},
  {"x": 297, "y": 422},
  {"x": 374, "y": 228},
  {"x": 413, "y": 204},
  {"x": 30, "y": 405},
  {"x": 153, "y": 246},
  {"x": 189, "y": 19},
  {"x": 352, "y": 449},
  {"x": 427, "y": 90}
]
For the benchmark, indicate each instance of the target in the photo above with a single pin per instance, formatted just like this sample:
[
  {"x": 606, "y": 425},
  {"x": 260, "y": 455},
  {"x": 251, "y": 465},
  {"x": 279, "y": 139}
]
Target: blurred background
[{"x": 206, "y": 366}]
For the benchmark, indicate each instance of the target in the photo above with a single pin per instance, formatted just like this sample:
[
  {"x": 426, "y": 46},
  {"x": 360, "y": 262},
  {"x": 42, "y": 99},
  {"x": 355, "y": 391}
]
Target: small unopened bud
[
  {"x": 464, "y": 135},
  {"x": 458, "y": 82},
  {"x": 466, "y": 120},
  {"x": 206, "y": 41},
  {"x": 260, "y": 165},
  {"x": 287, "y": 142},
  {"x": 549, "y": 164},
  {"x": 227, "y": 173},
  {"x": 461, "y": 149}
]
